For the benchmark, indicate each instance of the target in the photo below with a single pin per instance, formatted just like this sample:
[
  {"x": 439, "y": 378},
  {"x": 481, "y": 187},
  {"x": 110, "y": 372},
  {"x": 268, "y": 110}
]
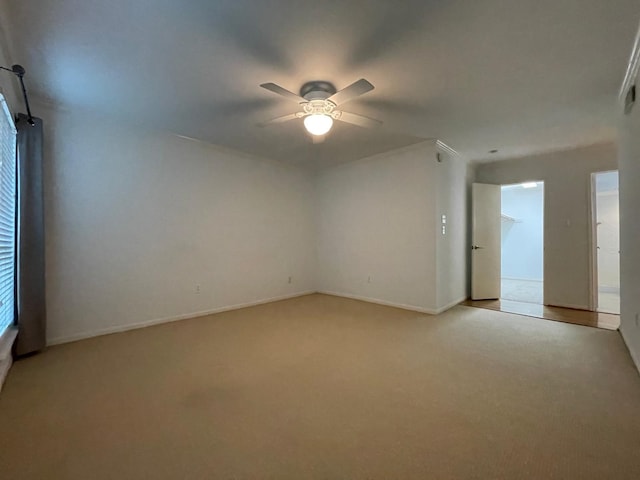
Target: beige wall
[
  {"x": 136, "y": 220},
  {"x": 451, "y": 248},
  {"x": 8, "y": 83},
  {"x": 379, "y": 235},
  {"x": 629, "y": 160},
  {"x": 567, "y": 212}
]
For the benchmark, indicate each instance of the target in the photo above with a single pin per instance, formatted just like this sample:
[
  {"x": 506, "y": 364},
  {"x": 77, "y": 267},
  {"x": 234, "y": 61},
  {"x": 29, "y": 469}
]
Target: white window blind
[{"x": 7, "y": 216}]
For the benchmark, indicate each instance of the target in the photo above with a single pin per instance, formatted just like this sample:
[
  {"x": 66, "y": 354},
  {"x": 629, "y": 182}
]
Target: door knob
[{"x": 475, "y": 247}]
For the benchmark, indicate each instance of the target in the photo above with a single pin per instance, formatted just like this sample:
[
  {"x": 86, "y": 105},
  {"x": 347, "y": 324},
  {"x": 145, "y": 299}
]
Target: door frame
[
  {"x": 593, "y": 243},
  {"x": 544, "y": 229},
  {"x": 593, "y": 239}
]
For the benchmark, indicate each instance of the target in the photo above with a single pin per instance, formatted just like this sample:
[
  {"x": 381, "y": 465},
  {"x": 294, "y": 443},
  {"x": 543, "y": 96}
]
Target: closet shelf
[{"x": 508, "y": 219}]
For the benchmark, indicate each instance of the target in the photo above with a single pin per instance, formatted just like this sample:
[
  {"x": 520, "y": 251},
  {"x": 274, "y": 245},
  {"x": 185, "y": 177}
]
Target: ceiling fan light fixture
[{"x": 318, "y": 124}]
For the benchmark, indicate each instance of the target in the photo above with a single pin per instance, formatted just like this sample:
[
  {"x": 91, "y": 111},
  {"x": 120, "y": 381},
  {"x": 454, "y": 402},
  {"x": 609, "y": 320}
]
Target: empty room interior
[{"x": 319, "y": 240}]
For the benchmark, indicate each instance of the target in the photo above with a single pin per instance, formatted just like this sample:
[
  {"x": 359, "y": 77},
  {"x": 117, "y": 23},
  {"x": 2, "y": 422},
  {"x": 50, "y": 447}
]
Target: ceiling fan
[{"x": 320, "y": 102}]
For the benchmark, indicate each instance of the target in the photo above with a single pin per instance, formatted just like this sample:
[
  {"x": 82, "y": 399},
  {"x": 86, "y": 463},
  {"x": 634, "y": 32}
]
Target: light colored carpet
[
  {"x": 530, "y": 291},
  {"x": 326, "y": 388}
]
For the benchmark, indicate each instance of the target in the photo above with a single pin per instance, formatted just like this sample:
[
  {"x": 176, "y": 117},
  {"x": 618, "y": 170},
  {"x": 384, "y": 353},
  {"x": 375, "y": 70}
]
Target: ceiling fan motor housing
[
  {"x": 320, "y": 99},
  {"x": 317, "y": 90},
  {"x": 317, "y": 93}
]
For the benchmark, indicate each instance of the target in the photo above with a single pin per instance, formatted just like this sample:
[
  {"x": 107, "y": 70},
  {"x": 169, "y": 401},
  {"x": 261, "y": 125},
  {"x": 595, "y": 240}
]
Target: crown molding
[
  {"x": 632, "y": 68},
  {"x": 444, "y": 148}
]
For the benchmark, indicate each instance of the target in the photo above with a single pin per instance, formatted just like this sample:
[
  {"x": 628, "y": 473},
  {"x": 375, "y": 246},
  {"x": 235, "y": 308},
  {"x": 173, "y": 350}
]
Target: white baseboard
[
  {"x": 158, "y": 321},
  {"x": 5, "y": 366},
  {"x": 6, "y": 359},
  {"x": 451, "y": 305},
  {"x": 6, "y": 342},
  {"x": 377, "y": 301},
  {"x": 634, "y": 356}
]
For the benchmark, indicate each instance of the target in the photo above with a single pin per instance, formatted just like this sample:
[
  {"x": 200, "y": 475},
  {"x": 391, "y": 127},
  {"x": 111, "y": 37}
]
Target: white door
[
  {"x": 607, "y": 241},
  {"x": 485, "y": 256}
]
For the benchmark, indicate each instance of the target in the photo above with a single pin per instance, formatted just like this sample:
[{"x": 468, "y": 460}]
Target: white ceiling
[{"x": 522, "y": 76}]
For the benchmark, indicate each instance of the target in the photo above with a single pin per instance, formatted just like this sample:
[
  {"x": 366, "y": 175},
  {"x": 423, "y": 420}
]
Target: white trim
[
  {"x": 382, "y": 155},
  {"x": 404, "y": 306},
  {"x": 5, "y": 366},
  {"x": 444, "y": 148},
  {"x": 603, "y": 142},
  {"x": 6, "y": 342},
  {"x": 451, "y": 305},
  {"x": 158, "y": 321},
  {"x": 593, "y": 239},
  {"x": 593, "y": 242},
  {"x": 377, "y": 301},
  {"x": 632, "y": 68},
  {"x": 6, "y": 360},
  {"x": 634, "y": 356},
  {"x": 149, "y": 323},
  {"x": 230, "y": 151}
]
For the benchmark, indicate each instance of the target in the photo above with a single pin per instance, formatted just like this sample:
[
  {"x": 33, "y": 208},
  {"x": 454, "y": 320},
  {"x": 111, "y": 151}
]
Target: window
[{"x": 7, "y": 216}]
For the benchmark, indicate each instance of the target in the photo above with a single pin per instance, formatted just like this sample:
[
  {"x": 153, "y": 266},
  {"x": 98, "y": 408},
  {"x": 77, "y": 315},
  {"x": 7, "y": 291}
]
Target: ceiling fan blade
[
  {"x": 282, "y": 119},
  {"x": 318, "y": 139},
  {"x": 272, "y": 87},
  {"x": 359, "y": 120},
  {"x": 354, "y": 90}
]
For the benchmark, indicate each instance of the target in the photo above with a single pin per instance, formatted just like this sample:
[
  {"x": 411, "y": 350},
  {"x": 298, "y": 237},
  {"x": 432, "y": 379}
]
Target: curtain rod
[{"x": 19, "y": 71}]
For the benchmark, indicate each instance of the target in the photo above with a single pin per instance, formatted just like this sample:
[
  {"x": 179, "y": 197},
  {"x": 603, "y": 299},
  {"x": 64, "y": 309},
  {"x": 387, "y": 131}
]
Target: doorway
[
  {"x": 522, "y": 242},
  {"x": 606, "y": 221},
  {"x": 507, "y": 254}
]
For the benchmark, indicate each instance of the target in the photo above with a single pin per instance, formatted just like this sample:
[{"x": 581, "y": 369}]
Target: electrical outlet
[
  {"x": 290, "y": 279},
  {"x": 369, "y": 280},
  {"x": 637, "y": 319},
  {"x": 197, "y": 289}
]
